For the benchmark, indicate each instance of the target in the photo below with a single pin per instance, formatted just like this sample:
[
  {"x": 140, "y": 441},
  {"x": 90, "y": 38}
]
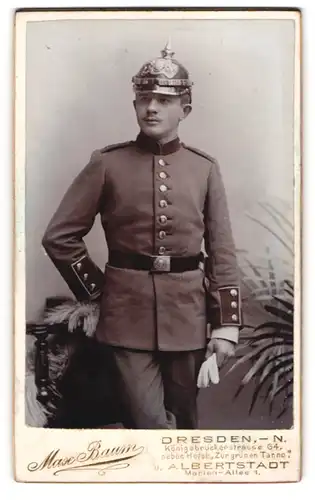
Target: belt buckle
[{"x": 161, "y": 264}]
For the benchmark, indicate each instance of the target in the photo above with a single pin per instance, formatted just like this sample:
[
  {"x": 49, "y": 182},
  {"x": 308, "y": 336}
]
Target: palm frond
[
  {"x": 289, "y": 284},
  {"x": 264, "y": 369},
  {"x": 285, "y": 405},
  {"x": 285, "y": 336},
  {"x": 273, "y": 371},
  {"x": 268, "y": 346},
  {"x": 256, "y": 272},
  {"x": 271, "y": 231},
  {"x": 288, "y": 305},
  {"x": 252, "y": 355},
  {"x": 283, "y": 387},
  {"x": 282, "y": 217},
  {"x": 258, "y": 366},
  {"x": 269, "y": 388},
  {"x": 279, "y": 219},
  {"x": 274, "y": 325},
  {"x": 279, "y": 313},
  {"x": 272, "y": 275}
]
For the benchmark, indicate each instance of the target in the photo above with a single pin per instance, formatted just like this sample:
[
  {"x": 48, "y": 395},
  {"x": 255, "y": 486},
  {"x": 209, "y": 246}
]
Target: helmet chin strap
[{"x": 172, "y": 91}]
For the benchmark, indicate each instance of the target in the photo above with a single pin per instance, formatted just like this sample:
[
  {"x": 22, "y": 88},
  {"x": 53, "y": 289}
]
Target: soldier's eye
[
  {"x": 143, "y": 98},
  {"x": 164, "y": 100}
]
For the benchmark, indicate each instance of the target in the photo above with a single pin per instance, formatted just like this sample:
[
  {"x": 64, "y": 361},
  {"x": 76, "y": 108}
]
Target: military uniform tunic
[{"x": 157, "y": 200}]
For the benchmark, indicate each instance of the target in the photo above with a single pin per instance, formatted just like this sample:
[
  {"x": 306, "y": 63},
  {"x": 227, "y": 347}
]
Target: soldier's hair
[{"x": 185, "y": 99}]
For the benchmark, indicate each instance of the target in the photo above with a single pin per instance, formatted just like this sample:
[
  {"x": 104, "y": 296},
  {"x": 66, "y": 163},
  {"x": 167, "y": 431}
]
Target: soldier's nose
[{"x": 152, "y": 106}]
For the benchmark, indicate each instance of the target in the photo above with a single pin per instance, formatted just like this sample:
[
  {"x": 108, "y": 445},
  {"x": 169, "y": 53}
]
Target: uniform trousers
[{"x": 158, "y": 389}]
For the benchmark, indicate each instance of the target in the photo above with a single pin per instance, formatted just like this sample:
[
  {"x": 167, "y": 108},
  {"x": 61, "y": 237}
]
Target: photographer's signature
[{"x": 95, "y": 457}]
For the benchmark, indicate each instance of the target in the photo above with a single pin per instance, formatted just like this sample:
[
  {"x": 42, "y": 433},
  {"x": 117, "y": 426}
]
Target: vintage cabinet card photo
[{"x": 157, "y": 246}]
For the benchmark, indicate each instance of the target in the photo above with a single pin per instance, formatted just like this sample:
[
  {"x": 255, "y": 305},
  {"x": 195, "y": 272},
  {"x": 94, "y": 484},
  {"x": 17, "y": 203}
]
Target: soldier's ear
[{"x": 186, "y": 110}]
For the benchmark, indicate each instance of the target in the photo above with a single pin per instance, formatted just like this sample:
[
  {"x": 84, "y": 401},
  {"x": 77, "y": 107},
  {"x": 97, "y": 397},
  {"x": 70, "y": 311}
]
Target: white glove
[{"x": 209, "y": 372}]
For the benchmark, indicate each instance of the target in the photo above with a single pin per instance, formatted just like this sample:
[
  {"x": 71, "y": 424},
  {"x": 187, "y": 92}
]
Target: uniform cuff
[
  {"x": 224, "y": 308},
  {"x": 230, "y": 333},
  {"x": 88, "y": 277}
]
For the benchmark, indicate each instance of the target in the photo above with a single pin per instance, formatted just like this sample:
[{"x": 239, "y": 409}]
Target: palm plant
[{"x": 267, "y": 345}]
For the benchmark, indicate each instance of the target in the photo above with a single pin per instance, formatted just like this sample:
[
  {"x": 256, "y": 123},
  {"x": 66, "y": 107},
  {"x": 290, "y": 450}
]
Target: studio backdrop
[{"x": 79, "y": 98}]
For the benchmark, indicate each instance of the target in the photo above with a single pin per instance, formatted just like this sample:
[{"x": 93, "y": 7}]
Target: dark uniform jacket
[{"x": 154, "y": 200}]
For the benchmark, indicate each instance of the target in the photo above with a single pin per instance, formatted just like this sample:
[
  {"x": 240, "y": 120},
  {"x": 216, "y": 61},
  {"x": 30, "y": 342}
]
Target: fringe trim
[
  {"x": 35, "y": 413},
  {"x": 83, "y": 315}
]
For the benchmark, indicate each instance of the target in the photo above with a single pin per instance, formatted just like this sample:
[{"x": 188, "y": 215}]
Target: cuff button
[
  {"x": 233, "y": 292},
  {"x": 234, "y": 305},
  {"x": 234, "y": 317}
]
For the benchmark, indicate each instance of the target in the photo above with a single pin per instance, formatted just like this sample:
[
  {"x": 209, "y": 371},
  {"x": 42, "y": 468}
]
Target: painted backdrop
[{"x": 79, "y": 98}]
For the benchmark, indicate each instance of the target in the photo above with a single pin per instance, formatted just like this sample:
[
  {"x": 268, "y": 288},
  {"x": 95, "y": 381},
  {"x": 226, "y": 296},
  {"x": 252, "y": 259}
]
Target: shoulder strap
[
  {"x": 112, "y": 147},
  {"x": 199, "y": 152},
  {"x": 97, "y": 153}
]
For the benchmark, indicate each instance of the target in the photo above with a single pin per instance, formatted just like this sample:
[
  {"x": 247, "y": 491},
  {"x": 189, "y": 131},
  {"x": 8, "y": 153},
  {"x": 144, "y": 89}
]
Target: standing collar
[{"x": 148, "y": 144}]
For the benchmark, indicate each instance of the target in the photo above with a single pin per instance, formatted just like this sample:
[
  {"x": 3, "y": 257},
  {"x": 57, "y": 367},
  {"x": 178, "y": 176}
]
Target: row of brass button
[
  {"x": 162, "y": 204},
  {"x": 234, "y": 304},
  {"x": 85, "y": 275}
]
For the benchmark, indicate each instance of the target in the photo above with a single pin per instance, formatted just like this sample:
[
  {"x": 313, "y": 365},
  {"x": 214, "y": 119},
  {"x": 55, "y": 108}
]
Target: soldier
[{"x": 158, "y": 200}]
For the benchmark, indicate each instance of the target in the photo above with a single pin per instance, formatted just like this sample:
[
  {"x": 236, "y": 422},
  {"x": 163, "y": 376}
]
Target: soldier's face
[{"x": 159, "y": 115}]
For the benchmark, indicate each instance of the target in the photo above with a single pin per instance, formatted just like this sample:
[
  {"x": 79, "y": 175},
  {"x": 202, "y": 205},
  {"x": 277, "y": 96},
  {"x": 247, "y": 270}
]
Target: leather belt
[{"x": 154, "y": 263}]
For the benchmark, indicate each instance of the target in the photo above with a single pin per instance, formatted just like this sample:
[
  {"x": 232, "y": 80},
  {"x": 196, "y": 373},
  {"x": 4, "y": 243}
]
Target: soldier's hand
[{"x": 223, "y": 348}]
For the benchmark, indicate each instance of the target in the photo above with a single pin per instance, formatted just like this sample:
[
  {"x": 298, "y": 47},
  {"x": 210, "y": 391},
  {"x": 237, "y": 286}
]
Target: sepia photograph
[{"x": 157, "y": 164}]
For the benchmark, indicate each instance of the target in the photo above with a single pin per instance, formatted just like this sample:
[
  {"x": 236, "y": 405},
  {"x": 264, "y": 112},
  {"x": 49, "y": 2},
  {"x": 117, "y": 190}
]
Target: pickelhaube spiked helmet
[{"x": 163, "y": 75}]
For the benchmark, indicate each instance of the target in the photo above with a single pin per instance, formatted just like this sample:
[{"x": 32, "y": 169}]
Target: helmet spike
[{"x": 167, "y": 52}]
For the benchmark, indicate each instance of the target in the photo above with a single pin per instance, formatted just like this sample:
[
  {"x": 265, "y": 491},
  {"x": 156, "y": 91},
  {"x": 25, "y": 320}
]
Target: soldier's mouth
[{"x": 151, "y": 120}]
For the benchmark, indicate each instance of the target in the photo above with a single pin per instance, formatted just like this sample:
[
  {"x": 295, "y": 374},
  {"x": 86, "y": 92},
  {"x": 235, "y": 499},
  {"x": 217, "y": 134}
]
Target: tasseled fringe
[
  {"x": 35, "y": 413},
  {"x": 76, "y": 314}
]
